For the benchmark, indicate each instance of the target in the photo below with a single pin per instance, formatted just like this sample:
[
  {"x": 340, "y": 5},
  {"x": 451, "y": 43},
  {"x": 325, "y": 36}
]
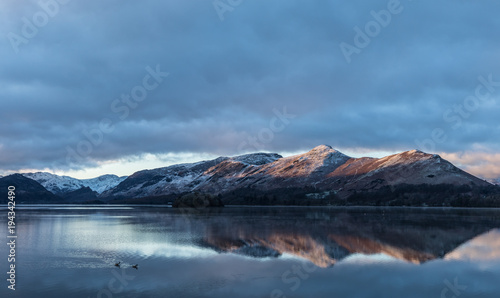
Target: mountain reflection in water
[
  {"x": 70, "y": 251},
  {"x": 328, "y": 236}
]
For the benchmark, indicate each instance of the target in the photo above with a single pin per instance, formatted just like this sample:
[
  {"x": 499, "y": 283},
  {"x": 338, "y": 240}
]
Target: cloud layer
[{"x": 414, "y": 84}]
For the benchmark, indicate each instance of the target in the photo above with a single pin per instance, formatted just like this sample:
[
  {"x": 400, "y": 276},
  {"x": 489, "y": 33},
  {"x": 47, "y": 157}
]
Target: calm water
[{"x": 254, "y": 252}]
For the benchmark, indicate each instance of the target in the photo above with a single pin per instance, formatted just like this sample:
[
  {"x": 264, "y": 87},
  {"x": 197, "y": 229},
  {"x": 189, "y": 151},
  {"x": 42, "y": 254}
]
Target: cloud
[
  {"x": 226, "y": 77},
  {"x": 484, "y": 247},
  {"x": 486, "y": 165}
]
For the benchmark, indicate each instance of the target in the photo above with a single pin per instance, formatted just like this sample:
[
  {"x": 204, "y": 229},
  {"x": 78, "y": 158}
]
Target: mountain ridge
[
  {"x": 318, "y": 173},
  {"x": 322, "y": 173}
]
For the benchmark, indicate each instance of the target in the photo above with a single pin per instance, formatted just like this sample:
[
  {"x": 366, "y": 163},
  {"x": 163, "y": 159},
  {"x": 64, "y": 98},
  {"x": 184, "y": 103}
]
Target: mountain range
[{"x": 321, "y": 176}]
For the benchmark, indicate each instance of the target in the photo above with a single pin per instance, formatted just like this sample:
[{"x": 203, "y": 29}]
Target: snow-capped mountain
[
  {"x": 323, "y": 170},
  {"x": 102, "y": 183},
  {"x": 306, "y": 169},
  {"x": 181, "y": 178},
  {"x": 64, "y": 184}
]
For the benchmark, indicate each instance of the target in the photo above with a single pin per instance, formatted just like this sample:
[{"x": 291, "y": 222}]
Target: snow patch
[
  {"x": 62, "y": 184},
  {"x": 257, "y": 159}
]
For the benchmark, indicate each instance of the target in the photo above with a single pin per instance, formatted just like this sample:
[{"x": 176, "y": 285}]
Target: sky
[{"x": 96, "y": 87}]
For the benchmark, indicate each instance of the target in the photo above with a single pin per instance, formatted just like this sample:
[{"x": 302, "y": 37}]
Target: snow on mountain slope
[
  {"x": 180, "y": 178},
  {"x": 54, "y": 183},
  {"x": 295, "y": 171},
  {"x": 172, "y": 179},
  {"x": 63, "y": 184},
  {"x": 257, "y": 158},
  {"x": 319, "y": 160},
  {"x": 102, "y": 183}
]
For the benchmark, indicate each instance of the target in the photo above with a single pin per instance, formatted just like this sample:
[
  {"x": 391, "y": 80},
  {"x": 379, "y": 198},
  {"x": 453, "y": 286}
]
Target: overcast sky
[{"x": 94, "y": 87}]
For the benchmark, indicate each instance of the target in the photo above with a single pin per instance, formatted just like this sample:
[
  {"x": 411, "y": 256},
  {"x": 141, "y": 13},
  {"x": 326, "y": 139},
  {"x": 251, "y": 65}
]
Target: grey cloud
[{"x": 227, "y": 77}]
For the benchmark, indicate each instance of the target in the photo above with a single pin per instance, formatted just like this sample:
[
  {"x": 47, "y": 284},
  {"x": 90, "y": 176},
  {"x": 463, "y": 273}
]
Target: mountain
[
  {"x": 325, "y": 169},
  {"x": 181, "y": 178},
  {"x": 322, "y": 173},
  {"x": 60, "y": 185},
  {"x": 308, "y": 169},
  {"x": 28, "y": 190},
  {"x": 410, "y": 167}
]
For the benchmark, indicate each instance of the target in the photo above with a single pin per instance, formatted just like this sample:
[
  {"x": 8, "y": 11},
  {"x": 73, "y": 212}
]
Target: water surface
[{"x": 70, "y": 251}]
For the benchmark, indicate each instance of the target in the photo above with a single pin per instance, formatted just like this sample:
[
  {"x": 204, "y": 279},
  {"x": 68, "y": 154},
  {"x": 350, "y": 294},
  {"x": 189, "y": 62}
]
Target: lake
[{"x": 71, "y": 251}]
